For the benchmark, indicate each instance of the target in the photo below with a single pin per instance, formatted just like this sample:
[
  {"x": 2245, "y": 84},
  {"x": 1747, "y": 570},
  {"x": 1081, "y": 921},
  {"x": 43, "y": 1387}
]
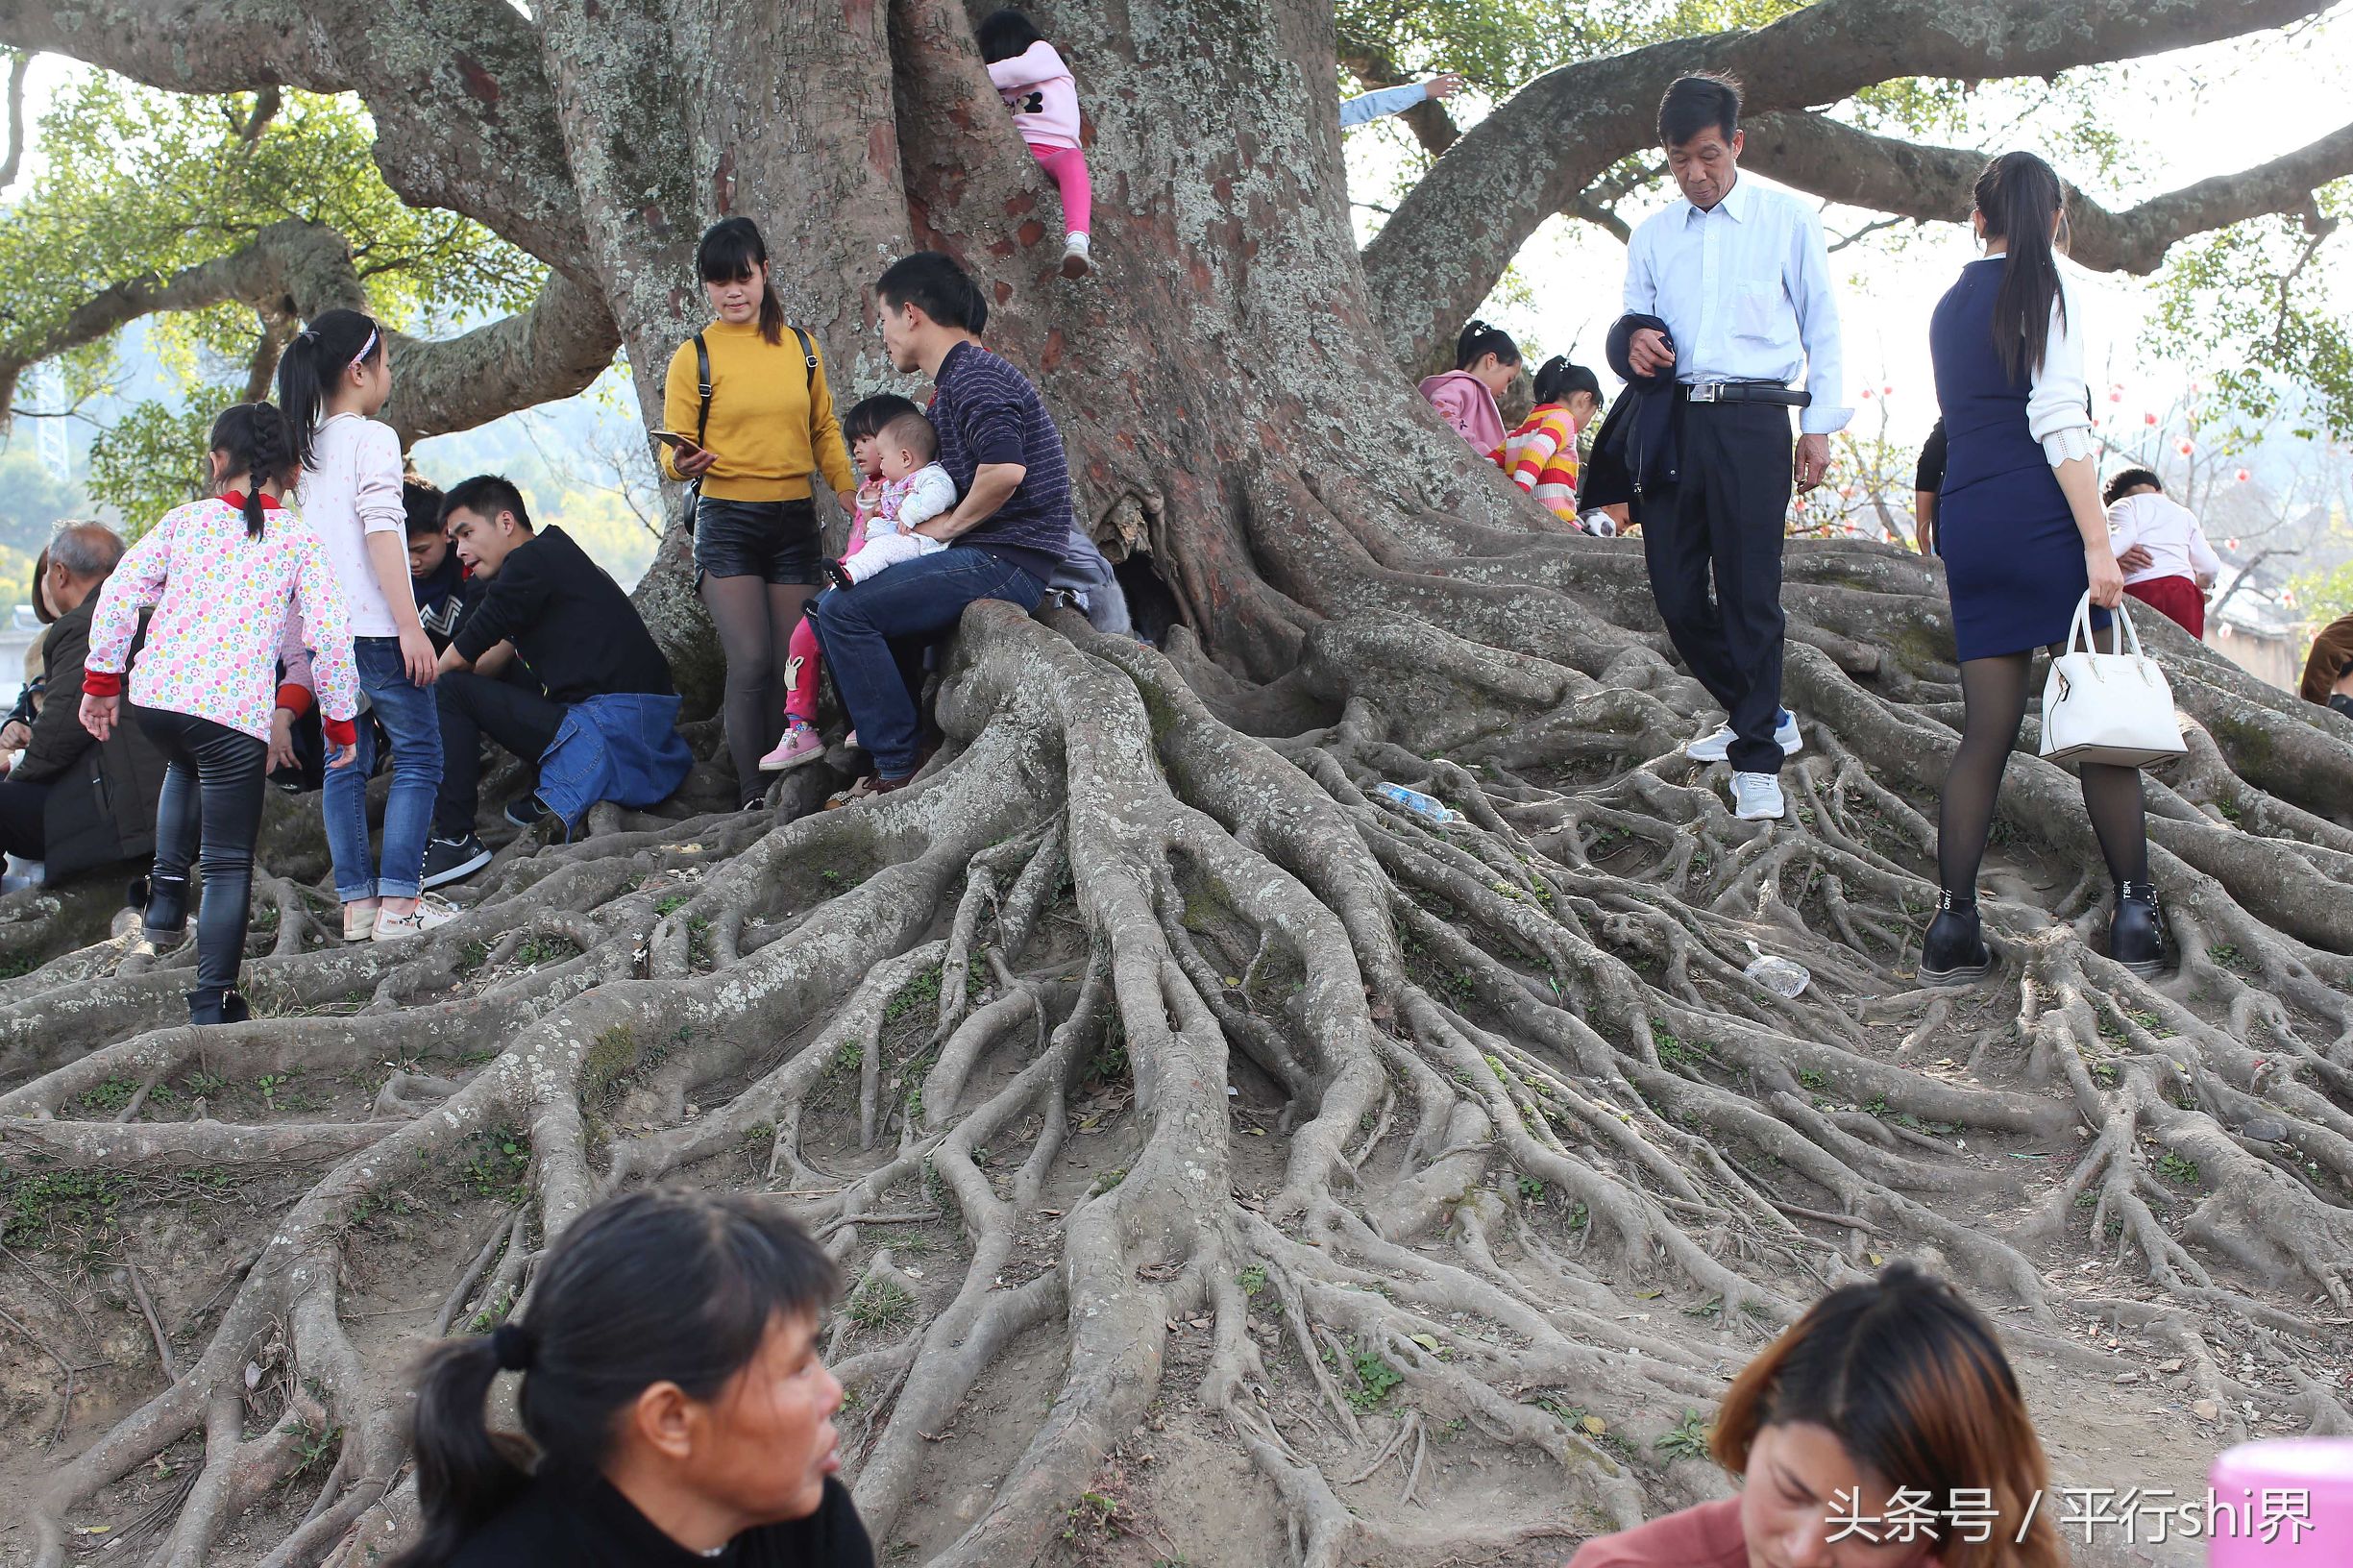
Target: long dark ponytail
[
  {"x": 1558, "y": 380},
  {"x": 255, "y": 440},
  {"x": 311, "y": 365},
  {"x": 2019, "y": 195},
  {"x": 731, "y": 249},
  {"x": 1479, "y": 340},
  {"x": 662, "y": 1286}
]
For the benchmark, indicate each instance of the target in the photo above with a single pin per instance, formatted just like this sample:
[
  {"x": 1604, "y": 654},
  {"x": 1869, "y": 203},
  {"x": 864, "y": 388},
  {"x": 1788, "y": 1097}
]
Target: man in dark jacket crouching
[{"x": 72, "y": 803}]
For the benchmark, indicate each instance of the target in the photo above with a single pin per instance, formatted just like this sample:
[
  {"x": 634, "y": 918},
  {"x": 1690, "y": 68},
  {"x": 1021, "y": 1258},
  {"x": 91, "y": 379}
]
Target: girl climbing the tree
[
  {"x": 1030, "y": 76},
  {"x": 332, "y": 383},
  {"x": 1540, "y": 457},
  {"x": 221, "y": 576}
]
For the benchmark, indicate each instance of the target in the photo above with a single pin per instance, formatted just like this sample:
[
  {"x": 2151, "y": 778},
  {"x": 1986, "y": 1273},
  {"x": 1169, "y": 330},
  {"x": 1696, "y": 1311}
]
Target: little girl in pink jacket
[{"x": 1030, "y": 76}]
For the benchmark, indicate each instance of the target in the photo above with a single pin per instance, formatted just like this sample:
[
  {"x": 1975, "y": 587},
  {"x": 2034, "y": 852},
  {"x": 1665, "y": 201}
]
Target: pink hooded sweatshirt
[
  {"x": 1464, "y": 402},
  {"x": 1037, "y": 86}
]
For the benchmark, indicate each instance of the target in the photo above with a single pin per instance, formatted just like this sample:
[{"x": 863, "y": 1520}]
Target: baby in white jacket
[{"x": 914, "y": 489}]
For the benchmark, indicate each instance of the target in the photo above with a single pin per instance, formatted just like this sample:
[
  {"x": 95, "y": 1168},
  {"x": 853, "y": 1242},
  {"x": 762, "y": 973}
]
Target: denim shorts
[{"x": 775, "y": 541}]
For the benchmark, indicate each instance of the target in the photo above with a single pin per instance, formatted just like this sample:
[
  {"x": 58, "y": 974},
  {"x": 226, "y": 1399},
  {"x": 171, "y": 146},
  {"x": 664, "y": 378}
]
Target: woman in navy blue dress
[{"x": 2023, "y": 533}]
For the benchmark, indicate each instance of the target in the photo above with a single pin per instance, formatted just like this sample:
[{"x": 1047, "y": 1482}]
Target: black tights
[
  {"x": 755, "y": 620},
  {"x": 1994, "y": 692},
  {"x": 211, "y": 795}
]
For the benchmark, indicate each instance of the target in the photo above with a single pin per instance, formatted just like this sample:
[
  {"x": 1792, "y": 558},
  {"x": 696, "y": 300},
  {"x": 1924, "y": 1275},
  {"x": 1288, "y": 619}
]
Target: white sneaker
[
  {"x": 1717, "y": 745},
  {"x": 429, "y": 914},
  {"x": 1077, "y": 256},
  {"x": 1757, "y": 798}
]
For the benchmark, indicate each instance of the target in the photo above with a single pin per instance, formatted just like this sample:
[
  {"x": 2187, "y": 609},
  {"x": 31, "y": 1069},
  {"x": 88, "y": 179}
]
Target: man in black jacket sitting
[
  {"x": 71, "y": 802},
  {"x": 598, "y": 715}
]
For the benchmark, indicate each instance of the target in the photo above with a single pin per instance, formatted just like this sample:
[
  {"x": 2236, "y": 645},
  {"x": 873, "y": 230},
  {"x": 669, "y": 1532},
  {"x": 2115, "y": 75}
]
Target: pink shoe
[
  {"x": 850, "y": 740},
  {"x": 800, "y": 744}
]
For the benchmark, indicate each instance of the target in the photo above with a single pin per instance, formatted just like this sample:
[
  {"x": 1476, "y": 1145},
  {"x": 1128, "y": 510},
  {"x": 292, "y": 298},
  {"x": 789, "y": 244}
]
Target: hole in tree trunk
[{"x": 1150, "y": 604}]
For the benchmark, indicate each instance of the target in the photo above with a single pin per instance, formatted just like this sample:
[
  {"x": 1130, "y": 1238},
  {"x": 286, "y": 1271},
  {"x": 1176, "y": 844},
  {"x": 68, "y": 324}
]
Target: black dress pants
[
  {"x": 1725, "y": 516},
  {"x": 520, "y": 718},
  {"x": 24, "y": 830},
  {"x": 212, "y": 787}
]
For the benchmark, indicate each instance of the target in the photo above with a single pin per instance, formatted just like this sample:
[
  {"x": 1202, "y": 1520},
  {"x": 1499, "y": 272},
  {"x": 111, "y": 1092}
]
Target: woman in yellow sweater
[{"x": 768, "y": 425}]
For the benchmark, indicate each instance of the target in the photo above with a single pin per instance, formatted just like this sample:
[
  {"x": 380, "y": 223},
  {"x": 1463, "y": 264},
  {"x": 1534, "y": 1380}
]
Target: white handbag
[{"x": 2108, "y": 707}]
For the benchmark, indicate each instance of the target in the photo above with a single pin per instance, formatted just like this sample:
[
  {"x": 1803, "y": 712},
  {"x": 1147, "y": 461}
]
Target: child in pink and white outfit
[
  {"x": 915, "y": 490},
  {"x": 1030, "y": 76},
  {"x": 803, "y": 665}
]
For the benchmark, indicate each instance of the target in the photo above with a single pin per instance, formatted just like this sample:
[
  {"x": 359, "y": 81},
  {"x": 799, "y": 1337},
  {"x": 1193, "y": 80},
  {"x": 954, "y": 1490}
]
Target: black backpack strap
[
  {"x": 808, "y": 358},
  {"x": 703, "y": 376}
]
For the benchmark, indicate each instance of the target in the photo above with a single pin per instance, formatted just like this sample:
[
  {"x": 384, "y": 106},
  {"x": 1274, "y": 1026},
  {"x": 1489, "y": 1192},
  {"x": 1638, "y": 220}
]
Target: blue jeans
[
  {"x": 410, "y": 718},
  {"x": 920, "y": 598}
]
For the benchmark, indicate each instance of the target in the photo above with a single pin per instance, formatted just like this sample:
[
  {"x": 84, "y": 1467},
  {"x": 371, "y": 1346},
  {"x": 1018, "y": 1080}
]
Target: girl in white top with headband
[{"x": 333, "y": 380}]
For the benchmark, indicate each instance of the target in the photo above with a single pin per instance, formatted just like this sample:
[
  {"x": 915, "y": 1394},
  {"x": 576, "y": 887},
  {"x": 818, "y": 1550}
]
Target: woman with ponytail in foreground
[
  {"x": 674, "y": 1408},
  {"x": 221, "y": 576},
  {"x": 1883, "y": 1430}
]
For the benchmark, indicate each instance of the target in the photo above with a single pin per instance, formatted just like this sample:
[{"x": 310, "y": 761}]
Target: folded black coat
[
  {"x": 102, "y": 795},
  {"x": 1634, "y": 451}
]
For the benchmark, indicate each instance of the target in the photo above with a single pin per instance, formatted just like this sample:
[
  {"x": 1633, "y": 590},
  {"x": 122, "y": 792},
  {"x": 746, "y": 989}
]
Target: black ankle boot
[
  {"x": 2135, "y": 931},
  {"x": 166, "y": 901},
  {"x": 218, "y": 1007},
  {"x": 1955, "y": 952}
]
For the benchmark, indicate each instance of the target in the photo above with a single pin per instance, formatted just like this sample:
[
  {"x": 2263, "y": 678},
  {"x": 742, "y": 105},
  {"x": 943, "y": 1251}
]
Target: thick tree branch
[
  {"x": 1860, "y": 169},
  {"x": 1451, "y": 239},
  {"x": 19, "y": 65},
  {"x": 465, "y": 116},
  {"x": 294, "y": 270}
]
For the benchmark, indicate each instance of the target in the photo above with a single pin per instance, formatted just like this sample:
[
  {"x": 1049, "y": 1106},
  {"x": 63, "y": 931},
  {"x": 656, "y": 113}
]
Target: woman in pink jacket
[
  {"x": 1037, "y": 86},
  {"x": 1486, "y": 362}
]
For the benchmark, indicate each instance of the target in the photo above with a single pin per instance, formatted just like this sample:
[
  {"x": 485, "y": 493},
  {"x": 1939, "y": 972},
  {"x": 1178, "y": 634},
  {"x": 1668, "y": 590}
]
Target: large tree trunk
[{"x": 1162, "y": 1091}]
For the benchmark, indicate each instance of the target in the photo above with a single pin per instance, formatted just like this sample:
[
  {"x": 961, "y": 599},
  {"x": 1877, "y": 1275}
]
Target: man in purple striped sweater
[{"x": 1007, "y": 534}]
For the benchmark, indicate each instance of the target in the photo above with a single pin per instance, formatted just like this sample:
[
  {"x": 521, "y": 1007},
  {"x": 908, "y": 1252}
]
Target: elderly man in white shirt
[{"x": 1741, "y": 280}]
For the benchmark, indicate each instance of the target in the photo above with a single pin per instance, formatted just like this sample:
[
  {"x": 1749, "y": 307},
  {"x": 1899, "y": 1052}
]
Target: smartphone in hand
[{"x": 680, "y": 443}]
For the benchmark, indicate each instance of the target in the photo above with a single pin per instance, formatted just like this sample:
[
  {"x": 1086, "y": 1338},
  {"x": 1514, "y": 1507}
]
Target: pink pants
[
  {"x": 803, "y": 665},
  {"x": 1067, "y": 167}
]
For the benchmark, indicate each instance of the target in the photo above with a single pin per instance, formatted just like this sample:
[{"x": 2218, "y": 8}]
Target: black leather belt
[{"x": 1744, "y": 392}]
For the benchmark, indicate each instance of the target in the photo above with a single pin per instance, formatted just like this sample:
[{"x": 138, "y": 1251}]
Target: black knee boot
[
  {"x": 218, "y": 1007},
  {"x": 2136, "y": 932},
  {"x": 1955, "y": 952},
  {"x": 166, "y": 917}
]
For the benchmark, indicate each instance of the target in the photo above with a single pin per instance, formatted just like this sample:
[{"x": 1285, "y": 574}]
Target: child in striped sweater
[{"x": 1541, "y": 456}]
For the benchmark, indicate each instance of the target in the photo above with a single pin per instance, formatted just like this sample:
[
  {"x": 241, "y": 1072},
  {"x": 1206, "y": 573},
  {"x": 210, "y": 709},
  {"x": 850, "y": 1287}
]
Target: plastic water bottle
[
  {"x": 1781, "y": 976},
  {"x": 1425, "y": 807}
]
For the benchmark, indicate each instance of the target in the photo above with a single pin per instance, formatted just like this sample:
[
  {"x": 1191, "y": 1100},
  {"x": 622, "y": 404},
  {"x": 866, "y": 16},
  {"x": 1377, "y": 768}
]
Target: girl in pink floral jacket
[{"x": 222, "y": 577}]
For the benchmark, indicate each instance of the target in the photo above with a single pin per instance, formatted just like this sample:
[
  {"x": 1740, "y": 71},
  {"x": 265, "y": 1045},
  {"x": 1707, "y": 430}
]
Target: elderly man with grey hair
[{"x": 70, "y": 802}]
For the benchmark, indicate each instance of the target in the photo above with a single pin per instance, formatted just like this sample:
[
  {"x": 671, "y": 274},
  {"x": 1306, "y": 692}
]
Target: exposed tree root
[{"x": 1010, "y": 1041}]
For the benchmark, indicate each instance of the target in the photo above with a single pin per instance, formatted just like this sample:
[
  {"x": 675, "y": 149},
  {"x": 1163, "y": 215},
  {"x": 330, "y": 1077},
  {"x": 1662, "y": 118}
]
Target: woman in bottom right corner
[
  {"x": 2025, "y": 537},
  {"x": 1882, "y": 1429}
]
